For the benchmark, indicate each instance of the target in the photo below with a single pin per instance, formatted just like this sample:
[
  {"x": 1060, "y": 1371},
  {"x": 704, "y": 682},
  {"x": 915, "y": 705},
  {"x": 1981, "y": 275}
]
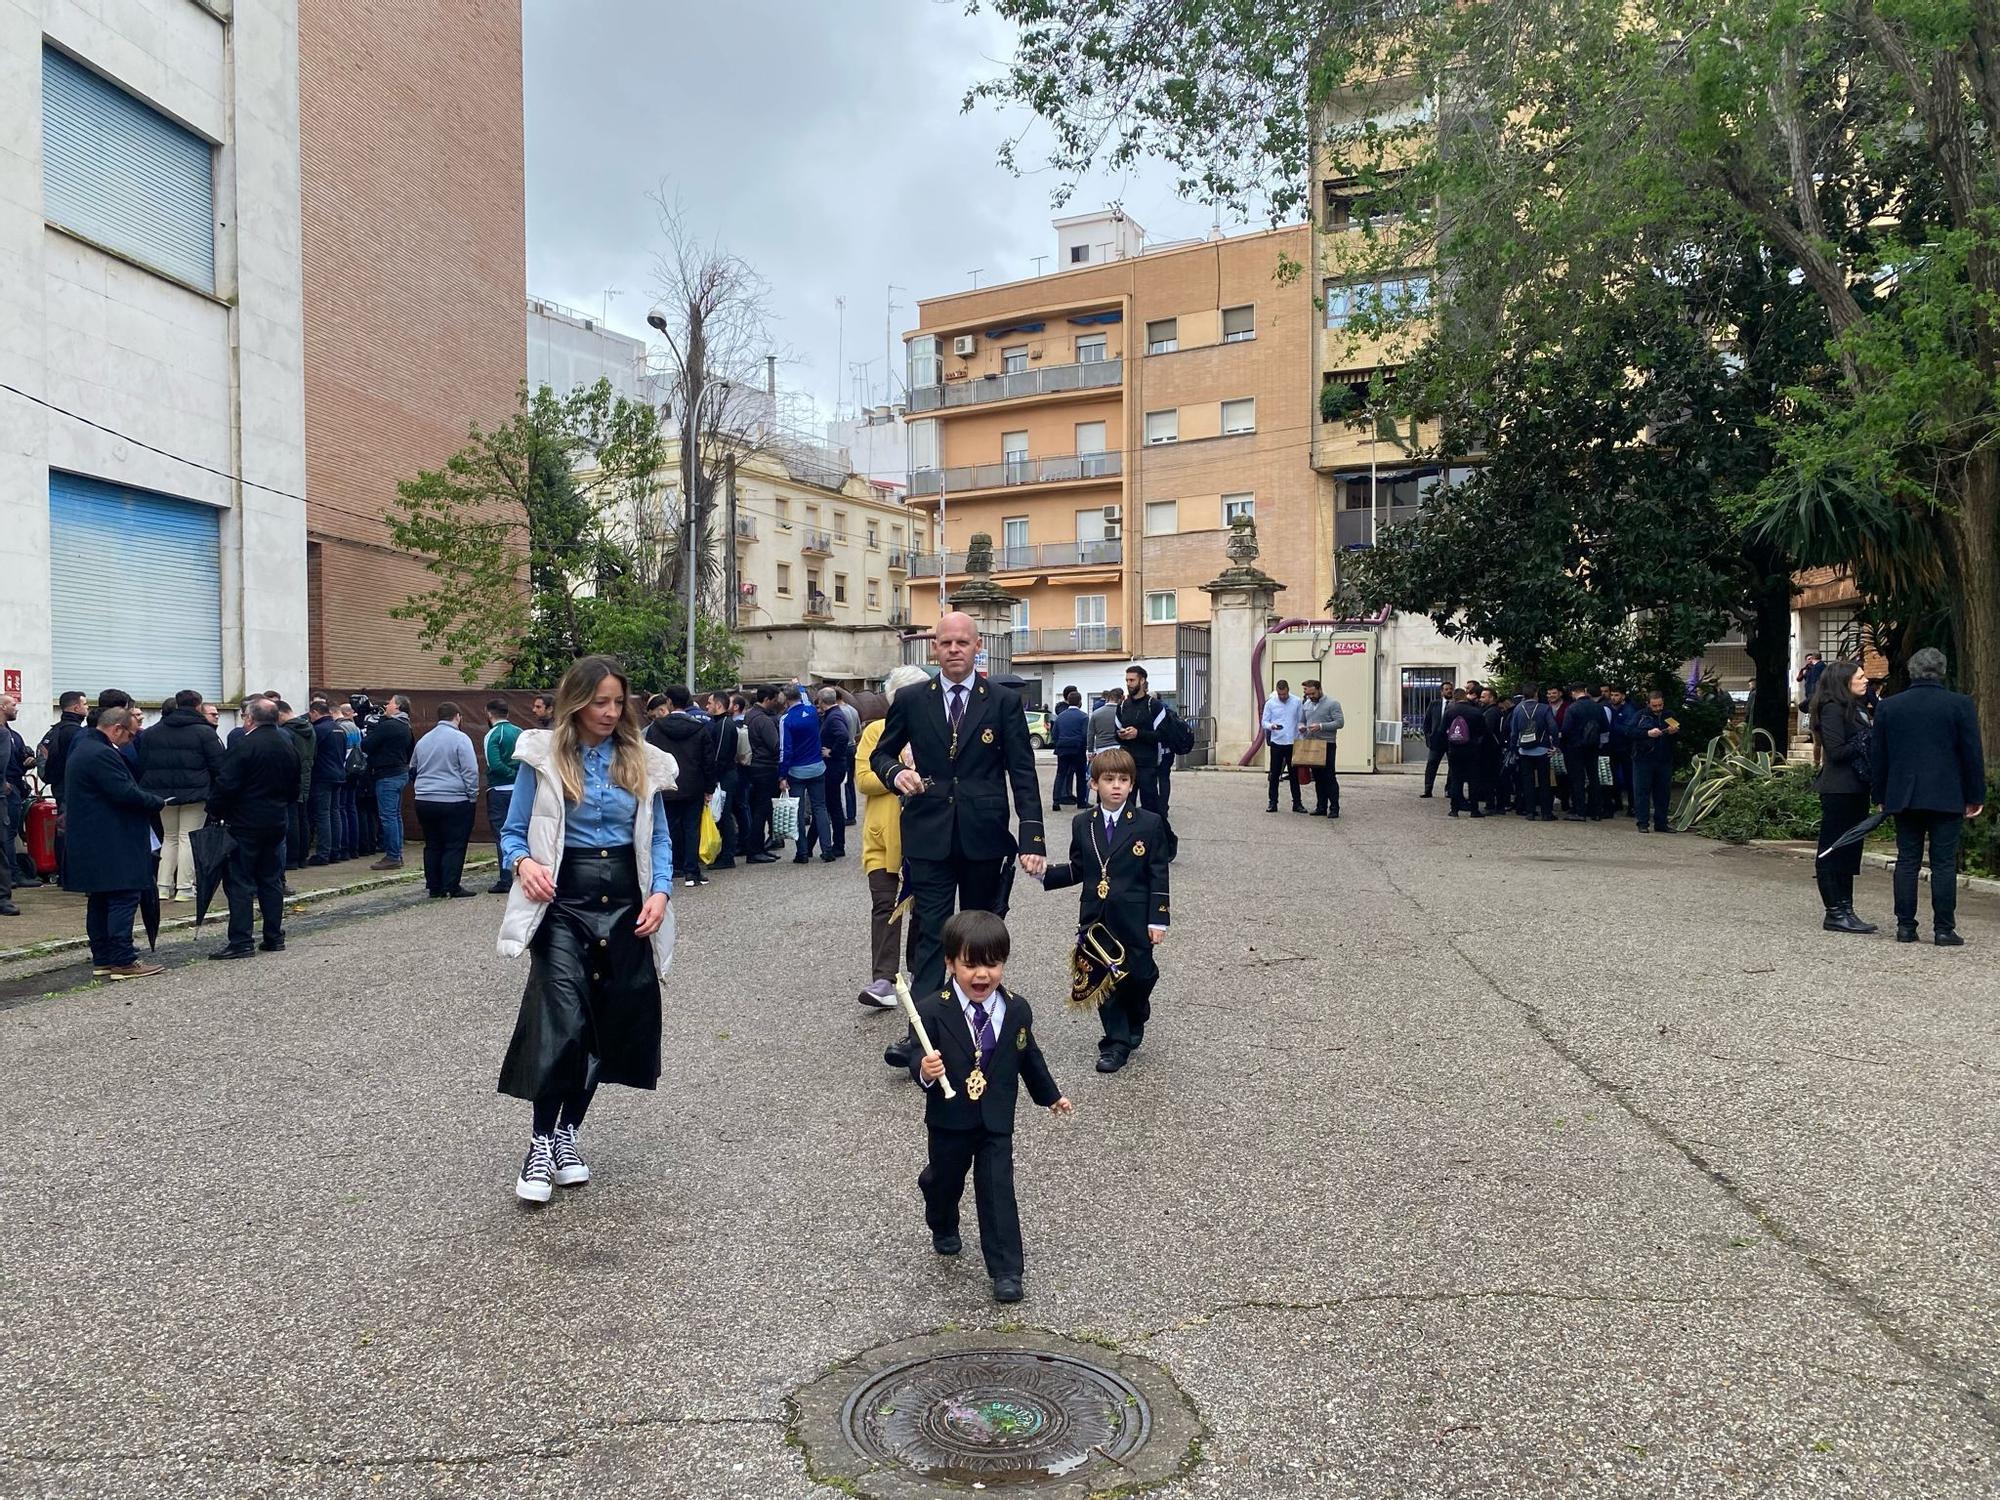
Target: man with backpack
[
  {"x": 1586, "y": 735},
  {"x": 1320, "y": 718},
  {"x": 497, "y": 750},
  {"x": 1531, "y": 734},
  {"x": 1465, "y": 754}
]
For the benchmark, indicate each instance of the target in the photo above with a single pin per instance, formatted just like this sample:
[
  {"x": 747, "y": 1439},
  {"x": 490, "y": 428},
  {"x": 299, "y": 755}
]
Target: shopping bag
[
  {"x": 785, "y": 817},
  {"x": 1309, "y": 753},
  {"x": 1604, "y": 770},
  {"x": 1556, "y": 766},
  {"x": 717, "y": 800},
  {"x": 711, "y": 838}
]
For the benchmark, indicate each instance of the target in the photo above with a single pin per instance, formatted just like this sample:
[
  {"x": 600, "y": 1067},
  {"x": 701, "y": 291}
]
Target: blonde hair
[{"x": 628, "y": 754}]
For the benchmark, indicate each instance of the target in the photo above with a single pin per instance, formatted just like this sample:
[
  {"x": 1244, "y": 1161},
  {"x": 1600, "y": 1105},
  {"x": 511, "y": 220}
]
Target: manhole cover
[{"x": 1036, "y": 1415}]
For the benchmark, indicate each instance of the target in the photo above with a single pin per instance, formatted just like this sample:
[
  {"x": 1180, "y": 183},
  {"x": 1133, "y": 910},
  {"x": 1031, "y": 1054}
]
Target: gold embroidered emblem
[
  {"x": 1022, "y": 1039},
  {"x": 1138, "y": 846},
  {"x": 985, "y": 736}
]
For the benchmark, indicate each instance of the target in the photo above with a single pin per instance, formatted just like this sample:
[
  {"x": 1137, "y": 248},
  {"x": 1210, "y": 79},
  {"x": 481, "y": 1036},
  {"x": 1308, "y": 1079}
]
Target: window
[
  {"x": 1020, "y": 617},
  {"x": 1014, "y": 361},
  {"x": 925, "y": 366},
  {"x": 122, "y": 174},
  {"x": 840, "y": 526},
  {"x": 1014, "y": 551},
  {"x": 1163, "y": 608},
  {"x": 814, "y": 598},
  {"x": 1239, "y": 324},
  {"x": 1078, "y": 254},
  {"x": 1090, "y": 609},
  {"x": 784, "y": 580},
  {"x": 784, "y": 514},
  {"x": 1163, "y": 335},
  {"x": 923, "y": 446},
  {"x": 1090, "y": 351},
  {"x": 1163, "y": 426},
  {"x": 1238, "y": 505},
  {"x": 1090, "y": 526},
  {"x": 812, "y": 518},
  {"x": 1840, "y": 634},
  {"x": 99, "y": 531},
  {"x": 1389, "y": 297},
  {"x": 1163, "y": 517},
  {"x": 840, "y": 588},
  {"x": 874, "y": 594},
  {"x": 1239, "y": 416},
  {"x": 874, "y": 536},
  {"x": 1014, "y": 454},
  {"x": 896, "y": 535}
]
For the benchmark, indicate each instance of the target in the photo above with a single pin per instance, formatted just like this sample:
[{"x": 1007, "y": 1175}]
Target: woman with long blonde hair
[{"x": 587, "y": 842}]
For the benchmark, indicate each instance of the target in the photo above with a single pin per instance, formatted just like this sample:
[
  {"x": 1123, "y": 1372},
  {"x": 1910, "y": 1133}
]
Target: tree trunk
[
  {"x": 1976, "y": 553},
  {"x": 1768, "y": 640}
]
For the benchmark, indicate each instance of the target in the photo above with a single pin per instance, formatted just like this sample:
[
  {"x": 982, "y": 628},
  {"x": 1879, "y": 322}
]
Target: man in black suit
[
  {"x": 1586, "y": 731},
  {"x": 1929, "y": 773},
  {"x": 1434, "y": 737},
  {"x": 255, "y": 787},
  {"x": 969, "y": 739},
  {"x": 110, "y": 856}
]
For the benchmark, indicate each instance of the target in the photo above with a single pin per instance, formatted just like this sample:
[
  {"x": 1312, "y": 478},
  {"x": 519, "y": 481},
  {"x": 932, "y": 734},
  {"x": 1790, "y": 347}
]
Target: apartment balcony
[
  {"x": 900, "y": 618},
  {"x": 819, "y": 609},
  {"x": 816, "y": 543},
  {"x": 899, "y": 560},
  {"x": 1027, "y": 559},
  {"x": 1073, "y": 468},
  {"x": 1080, "y": 640},
  {"x": 1356, "y": 530},
  {"x": 1049, "y": 380}
]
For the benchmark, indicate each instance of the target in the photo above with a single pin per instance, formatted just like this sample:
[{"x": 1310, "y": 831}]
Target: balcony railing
[
  {"x": 899, "y": 560},
  {"x": 900, "y": 618},
  {"x": 1016, "y": 559},
  {"x": 1081, "y": 639},
  {"x": 1090, "y": 376},
  {"x": 1355, "y": 530},
  {"x": 819, "y": 607},
  {"x": 817, "y": 541},
  {"x": 1066, "y": 469}
]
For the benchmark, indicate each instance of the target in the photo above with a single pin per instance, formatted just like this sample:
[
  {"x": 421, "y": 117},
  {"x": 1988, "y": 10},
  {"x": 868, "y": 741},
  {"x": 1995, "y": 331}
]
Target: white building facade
[
  {"x": 568, "y": 350},
  {"x": 152, "y": 433}
]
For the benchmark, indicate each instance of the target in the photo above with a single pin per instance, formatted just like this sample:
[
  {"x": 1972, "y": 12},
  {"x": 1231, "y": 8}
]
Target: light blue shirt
[
  {"x": 604, "y": 819},
  {"x": 1281, "y": 719},
  {"x": 443, "y": 768}
]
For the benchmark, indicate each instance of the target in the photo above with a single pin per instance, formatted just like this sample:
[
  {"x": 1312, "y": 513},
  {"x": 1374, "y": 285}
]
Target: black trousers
[
  {"x": 990, "y": 1159},
  {"x": 1163, "y": 787},
  {"x": 367, "y": 818},
  {"x": 763, "y": 788},
  {"x": 1493, "y": 775},
  {"x": 1653, "y": 791},
  {"x": 1281, "y": 766},
  {"x": 1125, "y": 1014},
  {"x": 1943, "y": 831},
  {"x": 1585, "y": 796},
  {"x": 1326, "y": 786},
  {"x": 1535, "y": 795},
  {"x": 1462, "y": 782},
  {"x": 1431, "y": 768},
  {"x": 1838, "y": 812},
  {"x": 1072, "y": 781},
  {"x": 255, "y": 879},
  {"x": 940, "y": 887},
  {"x": 684, "y": 823},
  {"x": 298, "y": 835},
  {"x": 447, "y": 830},
  {"x": 731, "y": 783}
]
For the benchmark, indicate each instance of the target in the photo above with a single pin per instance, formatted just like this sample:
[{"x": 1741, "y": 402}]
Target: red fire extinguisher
[{"x": 40, "y": 833}]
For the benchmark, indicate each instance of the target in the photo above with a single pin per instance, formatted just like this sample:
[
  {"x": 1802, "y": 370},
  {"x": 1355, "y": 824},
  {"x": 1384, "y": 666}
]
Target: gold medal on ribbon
[
  {"x": 1103, "y": 888},
  {"x": 975, "y": 1083}
]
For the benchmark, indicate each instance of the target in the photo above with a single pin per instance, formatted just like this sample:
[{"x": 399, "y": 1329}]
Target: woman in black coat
[{"x": 1841, "y": 726}]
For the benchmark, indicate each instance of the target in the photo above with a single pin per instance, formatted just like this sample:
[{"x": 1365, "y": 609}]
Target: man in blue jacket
[
  {"x": 804, "y": 764},
  {"x": 329, "y": 775},
  {"x": 1584, "y": 733},
  {"x": 1070, "y": 735},
  {"x": 1929, "y": 773}
]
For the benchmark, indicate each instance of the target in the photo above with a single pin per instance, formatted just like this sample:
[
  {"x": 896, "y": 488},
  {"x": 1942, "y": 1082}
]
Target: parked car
[{"x": 1039, "y": 733}]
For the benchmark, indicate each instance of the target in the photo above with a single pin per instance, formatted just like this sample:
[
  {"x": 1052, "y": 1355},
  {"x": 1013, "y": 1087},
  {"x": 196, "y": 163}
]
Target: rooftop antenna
[
  {"x": 888, "y": 327},
  {"x": 1038, "y": 263},
  {"x": 609, "y": 292},
  {"x": 839, "y": 350},
  {"x": 974, "y": 274}
]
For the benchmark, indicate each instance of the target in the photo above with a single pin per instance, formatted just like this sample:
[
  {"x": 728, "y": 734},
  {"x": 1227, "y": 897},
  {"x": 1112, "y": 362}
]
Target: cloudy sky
[{"x": 821, "y": 140}]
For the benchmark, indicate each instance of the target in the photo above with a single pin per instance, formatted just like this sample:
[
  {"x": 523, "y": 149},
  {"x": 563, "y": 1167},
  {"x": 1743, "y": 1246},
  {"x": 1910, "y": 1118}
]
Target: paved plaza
[{"x": 1462, "y": 1159}]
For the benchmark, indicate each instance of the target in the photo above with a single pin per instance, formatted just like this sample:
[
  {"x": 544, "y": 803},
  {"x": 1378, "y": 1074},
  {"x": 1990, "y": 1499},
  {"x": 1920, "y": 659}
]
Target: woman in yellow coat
[{"x": 882, "y": 853}]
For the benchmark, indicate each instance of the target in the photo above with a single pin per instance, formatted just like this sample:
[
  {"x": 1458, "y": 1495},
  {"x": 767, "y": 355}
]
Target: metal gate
[
  {"x": 1422, "y": 686},
  {"x": 1191, "y": 648}
]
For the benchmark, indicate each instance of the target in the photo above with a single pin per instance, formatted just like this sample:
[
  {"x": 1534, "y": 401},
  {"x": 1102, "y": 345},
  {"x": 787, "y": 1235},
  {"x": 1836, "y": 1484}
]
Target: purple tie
[
  {"x": 957, "y": 706},
  {"x": 983, "y": 1028}
]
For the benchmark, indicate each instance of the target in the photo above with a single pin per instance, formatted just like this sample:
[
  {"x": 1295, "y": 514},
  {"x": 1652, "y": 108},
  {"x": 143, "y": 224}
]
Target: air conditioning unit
[
  {"x": 1388, "y": 731},
  {"x": 1114, "y": 523},
  {"x": 965, "y": 344}
]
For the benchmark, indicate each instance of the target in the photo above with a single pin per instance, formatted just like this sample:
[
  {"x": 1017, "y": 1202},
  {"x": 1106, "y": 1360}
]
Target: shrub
[
  {"x": 1980, "y": 848},
  {"x": 1782, "y": 805}
]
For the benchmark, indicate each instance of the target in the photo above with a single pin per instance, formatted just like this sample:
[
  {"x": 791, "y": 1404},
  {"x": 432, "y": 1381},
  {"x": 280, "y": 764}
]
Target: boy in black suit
[
  {"x": 1119, "y": 855},
  {"x": 985, "y": 1045}
]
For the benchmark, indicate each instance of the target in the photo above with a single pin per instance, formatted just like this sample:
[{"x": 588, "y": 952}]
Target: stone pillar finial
[
  {"x": 1241, "y": 598},
  {"x": 991, "y": 607}
]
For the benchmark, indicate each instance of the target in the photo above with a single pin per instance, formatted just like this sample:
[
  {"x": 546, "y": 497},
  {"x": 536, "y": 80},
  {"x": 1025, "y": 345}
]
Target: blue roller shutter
[
  {"x": 137, "y": 590},
  {"x": 121, "y": 173}
]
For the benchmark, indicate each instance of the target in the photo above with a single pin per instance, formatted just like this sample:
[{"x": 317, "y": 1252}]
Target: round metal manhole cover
[{"x": 1036, "y": 1415}]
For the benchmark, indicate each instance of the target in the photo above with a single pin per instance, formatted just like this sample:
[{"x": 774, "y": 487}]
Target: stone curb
[
  {"x": 1801, "y": 849},
  {"x": 292, "y": 903}
]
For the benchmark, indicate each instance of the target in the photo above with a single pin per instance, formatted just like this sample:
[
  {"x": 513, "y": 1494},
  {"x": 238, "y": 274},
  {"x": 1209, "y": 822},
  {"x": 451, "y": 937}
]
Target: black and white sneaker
[
  {"x": 570, "y": 1168},
  {"x": 537, "y": 1182}
]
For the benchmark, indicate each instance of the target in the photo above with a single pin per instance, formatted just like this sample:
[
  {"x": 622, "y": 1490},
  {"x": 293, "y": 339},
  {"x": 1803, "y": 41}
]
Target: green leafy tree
[{"x": 545, "y": 539}]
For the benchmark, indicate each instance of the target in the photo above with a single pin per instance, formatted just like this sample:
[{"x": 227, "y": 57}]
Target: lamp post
[{"x": 690, "y": 455}]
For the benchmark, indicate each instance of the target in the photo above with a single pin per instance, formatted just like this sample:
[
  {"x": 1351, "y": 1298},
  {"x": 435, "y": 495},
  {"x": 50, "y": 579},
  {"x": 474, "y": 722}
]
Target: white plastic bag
[
  {"x": 716, "y": 801},
  {"x": 785, "y": 817}
]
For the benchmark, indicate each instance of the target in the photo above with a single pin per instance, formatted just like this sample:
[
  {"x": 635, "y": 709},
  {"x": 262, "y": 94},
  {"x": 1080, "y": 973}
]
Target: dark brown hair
[{"x": 977, "y": 937}]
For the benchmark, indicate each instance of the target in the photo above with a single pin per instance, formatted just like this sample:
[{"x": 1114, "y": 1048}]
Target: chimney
[{"x": 771, "y": 376}]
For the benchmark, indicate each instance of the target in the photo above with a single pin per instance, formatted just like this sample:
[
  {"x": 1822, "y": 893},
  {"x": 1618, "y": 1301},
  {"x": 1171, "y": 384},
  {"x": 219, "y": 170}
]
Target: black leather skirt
[{"x": 591, "y": 1011}]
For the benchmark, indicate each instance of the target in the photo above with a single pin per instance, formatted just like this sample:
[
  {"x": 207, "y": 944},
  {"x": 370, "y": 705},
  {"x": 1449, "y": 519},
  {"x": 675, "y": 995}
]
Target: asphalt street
[{"x": 1463, "y": 1159}]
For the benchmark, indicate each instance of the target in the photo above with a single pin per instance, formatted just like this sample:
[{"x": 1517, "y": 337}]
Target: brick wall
[{"x": 413, "y": 245}]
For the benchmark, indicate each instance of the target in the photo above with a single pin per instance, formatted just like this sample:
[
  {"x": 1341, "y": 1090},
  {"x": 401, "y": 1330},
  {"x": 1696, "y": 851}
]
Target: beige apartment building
[
  {"x": 1104, "y": 424},
  {"x": 818, "y": 574}
]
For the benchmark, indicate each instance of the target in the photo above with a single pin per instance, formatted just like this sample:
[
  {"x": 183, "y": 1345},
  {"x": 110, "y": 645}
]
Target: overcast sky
[{"x": 821, "y": 140}]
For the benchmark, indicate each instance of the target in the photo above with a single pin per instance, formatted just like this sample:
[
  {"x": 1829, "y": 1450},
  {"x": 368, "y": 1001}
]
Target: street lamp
[{"x": 657, "y": 320}]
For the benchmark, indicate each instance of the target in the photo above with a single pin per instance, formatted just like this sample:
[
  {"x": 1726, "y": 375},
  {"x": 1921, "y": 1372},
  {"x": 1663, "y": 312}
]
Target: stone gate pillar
[
  {"x": 1241, "y": 599},
  {"x": 991, "y": 607}
]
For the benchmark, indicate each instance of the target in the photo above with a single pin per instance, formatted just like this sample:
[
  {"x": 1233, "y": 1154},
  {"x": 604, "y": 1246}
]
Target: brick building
[
  {"x": 1104, "y": 424},
  {"x": 413, "y": 241}
]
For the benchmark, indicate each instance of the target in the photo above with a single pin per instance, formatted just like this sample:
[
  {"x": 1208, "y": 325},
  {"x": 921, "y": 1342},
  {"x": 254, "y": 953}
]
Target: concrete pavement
[{"x": 1462, "y": 1159}]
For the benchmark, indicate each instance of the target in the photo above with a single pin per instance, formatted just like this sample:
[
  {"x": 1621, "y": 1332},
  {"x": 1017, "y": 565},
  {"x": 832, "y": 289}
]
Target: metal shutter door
[
  {"x": 160, "y": 561},
  {"x": 121, "y": 173}
]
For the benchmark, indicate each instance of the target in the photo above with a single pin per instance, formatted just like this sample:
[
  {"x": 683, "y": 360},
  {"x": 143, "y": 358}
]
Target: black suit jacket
[
  {"x": 1926, "y": 755},
  {"x": 964, "y": 810},
  {"x": 257, "y": 780},
  {"x": 1138, "y": 859},
  {"x": 1017, "y": 1056},
  {"x": 108, "y": 819}
]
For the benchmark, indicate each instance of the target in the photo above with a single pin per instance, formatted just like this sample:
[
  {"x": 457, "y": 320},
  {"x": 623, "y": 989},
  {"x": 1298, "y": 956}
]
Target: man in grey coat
[
  {"x": 1320, "y": 718},
  {"x": 1929, "y": 773}
]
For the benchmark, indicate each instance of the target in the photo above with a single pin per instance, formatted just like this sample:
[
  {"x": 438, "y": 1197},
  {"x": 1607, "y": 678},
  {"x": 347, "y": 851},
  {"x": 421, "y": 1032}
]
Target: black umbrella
[
  {"x": 212, "y": 848},
  {"x": 1857, "y": 833},
  {"x": 149, "y": 913}
]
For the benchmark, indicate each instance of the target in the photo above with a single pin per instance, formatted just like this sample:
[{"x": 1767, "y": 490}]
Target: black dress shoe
[
  {"x": 1272, "y": 808},
  {"x": 246, "y": 951},
  {"x": 272, "y": 945},
  {"x": 1424, "y": 794},
  {"x": 1298, "y": 807},
  {"x": 1319, "y": 812},
  {"x": 801, "y": 859},
  {"x": 9, "y": 909},
  {"x": 1946, "y": 937},
  {"x": 1840, "y": 919},
  {"x": 947, "y": 1244},
  {"x": 1006, "y": 1289},
  {"x": 1111, "y": 1059},
  {"x": 897, "y": 1055},
  {"x": 1906, "y": 932},
  {"x": 500, "y": 888},
  {"x": 460, "y": 893},
  {"x": 760, "y": 859}
]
